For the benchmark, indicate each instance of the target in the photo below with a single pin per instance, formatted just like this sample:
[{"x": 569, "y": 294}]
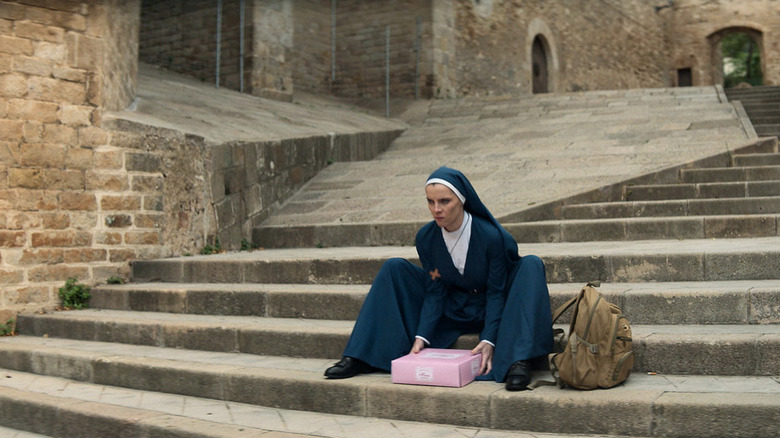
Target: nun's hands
[
  {"x": 487, "y": 357},
  {"x": 418, "y": 346}
]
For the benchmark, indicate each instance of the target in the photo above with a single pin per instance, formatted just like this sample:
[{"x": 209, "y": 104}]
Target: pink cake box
[{"x": 436, "y": 367}]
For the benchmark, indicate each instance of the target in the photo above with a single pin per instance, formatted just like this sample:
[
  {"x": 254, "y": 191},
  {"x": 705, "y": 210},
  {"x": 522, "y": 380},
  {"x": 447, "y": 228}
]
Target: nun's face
[{"x": 445, "y": 207}]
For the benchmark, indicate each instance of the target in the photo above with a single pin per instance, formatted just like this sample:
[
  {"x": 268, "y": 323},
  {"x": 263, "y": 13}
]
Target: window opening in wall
[
  {"x": 540, "y": 71},
  {"x": 741, "y": 60},
  {"x": 684, "y": 77}
]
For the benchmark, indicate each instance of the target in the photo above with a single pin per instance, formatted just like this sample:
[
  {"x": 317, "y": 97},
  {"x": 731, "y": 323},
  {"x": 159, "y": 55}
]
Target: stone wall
[
  {"x": 696, "y": 27},
  {"x": 271, "y": 48},
  {"x": 181, "y": 35},
  {"x": 312, "y": 61},
  {"x": 606, "y": 45},
  {"x": 65, "y": 190},
  {"x": 360, "y": 41}
]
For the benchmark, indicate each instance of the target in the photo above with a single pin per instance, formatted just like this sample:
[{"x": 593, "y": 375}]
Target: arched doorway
[
  {"x": 737, "y": 56},
  {"x": 539, "y": 66}
]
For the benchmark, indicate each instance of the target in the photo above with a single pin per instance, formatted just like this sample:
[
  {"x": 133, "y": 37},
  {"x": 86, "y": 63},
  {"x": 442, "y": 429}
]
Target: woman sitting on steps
[{"x": 472, "y": 280}]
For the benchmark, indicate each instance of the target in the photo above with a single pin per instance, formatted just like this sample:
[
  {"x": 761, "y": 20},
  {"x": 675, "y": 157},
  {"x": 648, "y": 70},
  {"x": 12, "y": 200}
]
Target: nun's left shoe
[
  {"x": 348, "y": 367},
  {"x": 519, "y": 376}
]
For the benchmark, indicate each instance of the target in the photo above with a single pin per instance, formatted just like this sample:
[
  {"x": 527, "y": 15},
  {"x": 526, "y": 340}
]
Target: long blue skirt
[{"x": 385, "y": 328}]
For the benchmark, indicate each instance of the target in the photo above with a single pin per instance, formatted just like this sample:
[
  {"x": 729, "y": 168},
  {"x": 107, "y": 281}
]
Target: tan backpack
[{"x": 598, "y": 352}]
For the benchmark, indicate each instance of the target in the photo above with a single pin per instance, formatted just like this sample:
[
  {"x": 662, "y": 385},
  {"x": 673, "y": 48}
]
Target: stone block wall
[
  {"x": 693, "y": 23},
  {"x": 604, "y": 45},
  {"x": 64, "y": 189},
  {"x": 360, "y": 41},
  {"x": 181, "y": 36},
  {"x": 250, "y": 180},
  {"x": 312, "y": 61},
  {"x": 271, "y": 49}
]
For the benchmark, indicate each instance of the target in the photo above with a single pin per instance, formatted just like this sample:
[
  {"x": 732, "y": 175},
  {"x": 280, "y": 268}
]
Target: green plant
[
  {"x": 115, "y": 280},
  {"x": 246, "y": 245},
  {"x": 8, "y": 329},
  {"x": 209, "y": 249},
  {"x": 74, "y": 295}
]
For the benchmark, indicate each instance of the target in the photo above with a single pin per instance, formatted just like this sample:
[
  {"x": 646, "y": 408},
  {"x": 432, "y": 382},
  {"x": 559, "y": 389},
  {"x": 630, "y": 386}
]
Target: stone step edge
[
  {"x": 58, "y": 416},
  {"x": 741, "y": 302},
  {"x": 265, "y": 236},
  {"x": 641, "y": 412},
  {"x": 667, "y": 175},
  {"x": 546, "y": 230},
  {"x": 663, "y": 348},
  {"x": 286, "y": 423},
  {"x": 661, "y": 202},
  {"x": 566, "y": 262}
]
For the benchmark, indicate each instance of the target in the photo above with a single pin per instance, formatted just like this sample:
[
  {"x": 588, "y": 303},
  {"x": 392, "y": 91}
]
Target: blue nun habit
[{"x": 501, "y": 296}]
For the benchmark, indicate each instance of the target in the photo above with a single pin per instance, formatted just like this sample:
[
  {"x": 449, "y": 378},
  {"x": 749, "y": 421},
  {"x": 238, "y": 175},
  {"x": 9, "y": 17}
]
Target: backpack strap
[
  {"x": 564, "y": 307},
  {"x": 555, "y": 373}
]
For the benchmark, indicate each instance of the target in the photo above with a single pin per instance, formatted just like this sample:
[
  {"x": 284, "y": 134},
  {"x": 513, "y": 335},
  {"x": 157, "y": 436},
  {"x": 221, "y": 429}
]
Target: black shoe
[
  {"x": 519, "y": 376},
  {"x": 348, "y": 367}
]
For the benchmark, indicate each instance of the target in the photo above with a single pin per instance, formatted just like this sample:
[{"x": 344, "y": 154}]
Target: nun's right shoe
[
  {"x": 348, "y": 367},
  {"x": 519, "y": 376}
]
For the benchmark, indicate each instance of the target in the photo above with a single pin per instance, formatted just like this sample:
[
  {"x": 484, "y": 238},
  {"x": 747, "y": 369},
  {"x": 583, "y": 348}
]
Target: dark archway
[
  {"x": 737, "y": 54},
  {"x": 541, "y": 71}
]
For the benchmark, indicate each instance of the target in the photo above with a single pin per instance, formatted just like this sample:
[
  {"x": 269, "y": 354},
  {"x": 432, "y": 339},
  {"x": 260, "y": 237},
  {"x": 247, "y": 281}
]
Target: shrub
[
  {"x": 74, "y": 295},
  {"x": 8, "y": 329}
]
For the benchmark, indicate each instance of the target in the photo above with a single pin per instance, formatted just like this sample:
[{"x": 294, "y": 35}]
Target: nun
[{"x": 472, "y": 280}]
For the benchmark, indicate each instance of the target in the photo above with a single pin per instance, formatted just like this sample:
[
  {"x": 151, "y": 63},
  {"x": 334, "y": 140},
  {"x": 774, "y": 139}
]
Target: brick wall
[{"x": 61, "y": 181}]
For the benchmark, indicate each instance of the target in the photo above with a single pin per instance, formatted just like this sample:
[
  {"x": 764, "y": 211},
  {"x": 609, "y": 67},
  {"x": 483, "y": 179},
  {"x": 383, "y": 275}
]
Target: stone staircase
[
  {"x": 216, "y": 346},
  {"x": 762, "y": 105},
  {"x": 259, "y": 328}
]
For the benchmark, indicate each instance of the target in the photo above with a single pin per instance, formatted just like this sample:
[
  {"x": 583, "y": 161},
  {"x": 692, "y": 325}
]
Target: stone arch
[
  {"x": 716, "y": 54},
  {"x": 541, "y": 47}
]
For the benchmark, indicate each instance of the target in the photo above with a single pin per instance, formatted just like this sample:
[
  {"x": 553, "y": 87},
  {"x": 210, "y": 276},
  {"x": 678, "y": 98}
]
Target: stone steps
[
  {"x": 45, "y": 403},
  {"x": 690, "y": 302},
  {"x": 762, "y": 105},
  {"x": 768, "y": 130},
  {"x": 567, "y": 262},
  {"x": 673, "y": 208},
  {"x": 646, "y": 228},
  {"x": 730, "y": 174},
  {"x": 646, "y": 405},
  {"x": 260, "y": 327},
  {"x": 714, "y": 201},
  {"x": 657, "y": 192},
  {"x": 747, "y": 349}
]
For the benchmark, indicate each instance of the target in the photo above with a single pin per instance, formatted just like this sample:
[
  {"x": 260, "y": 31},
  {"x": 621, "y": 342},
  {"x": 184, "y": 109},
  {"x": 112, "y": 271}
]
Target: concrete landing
[{"x": 178, "y": 102}]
